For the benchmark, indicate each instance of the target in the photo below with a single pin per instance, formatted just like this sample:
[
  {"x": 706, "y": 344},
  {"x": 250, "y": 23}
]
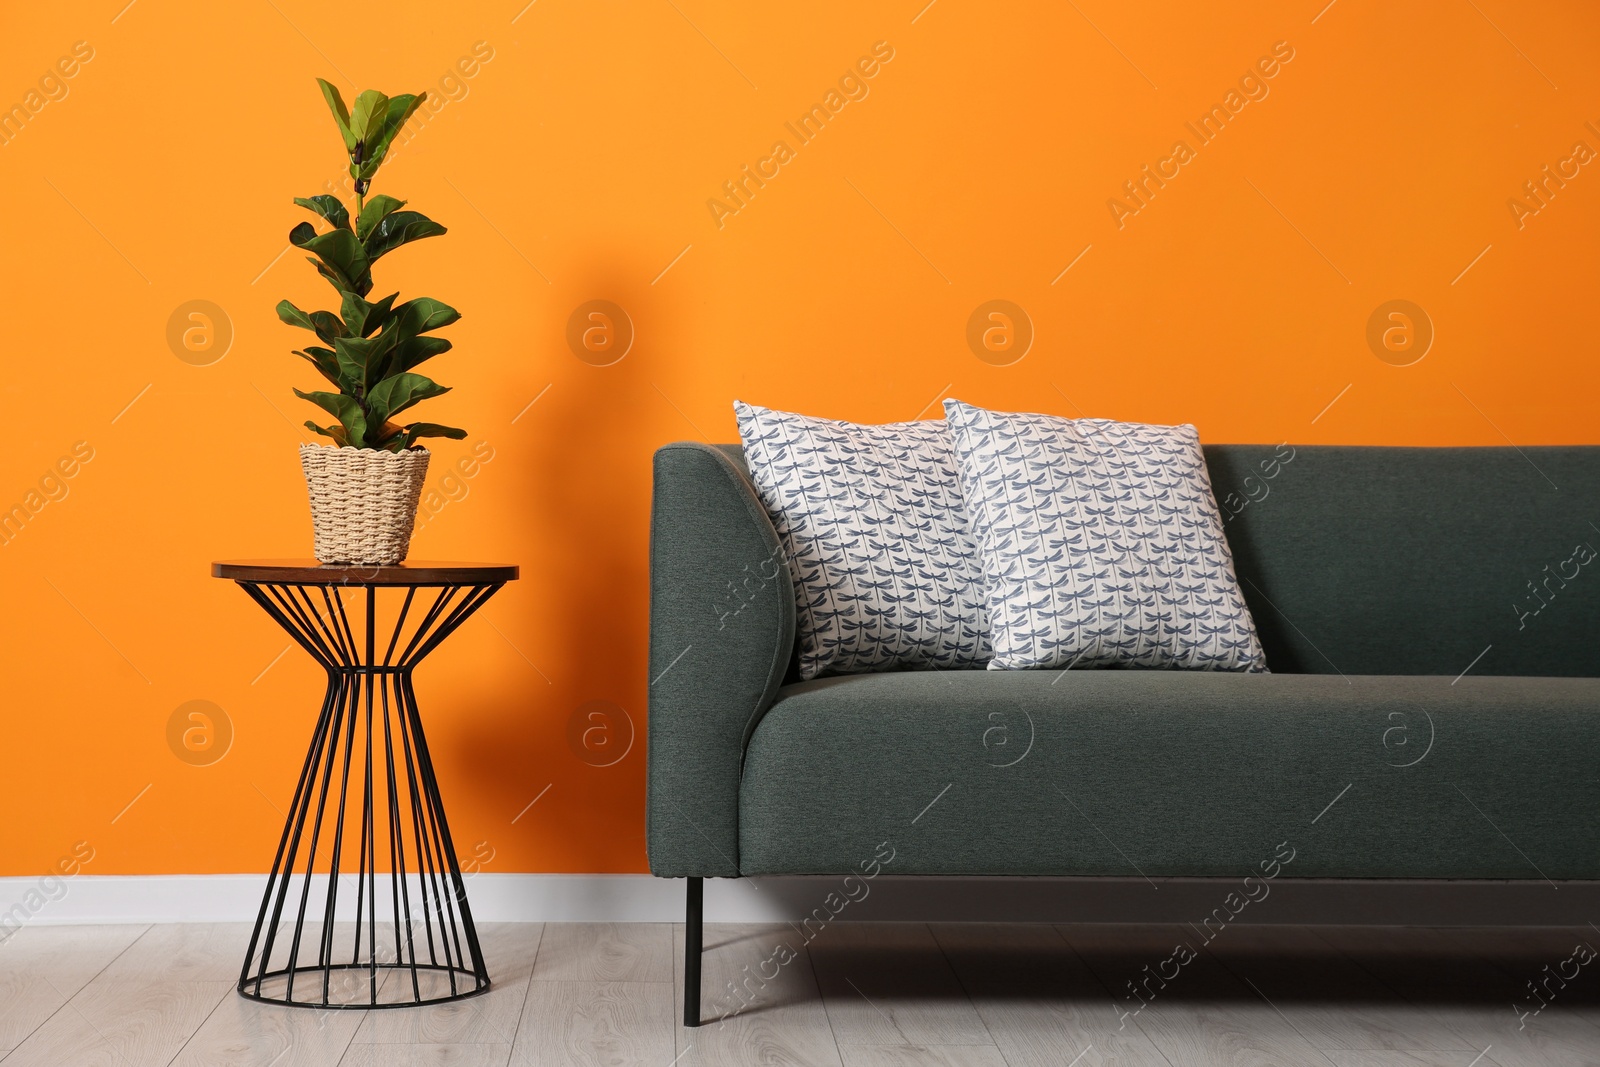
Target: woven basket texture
[{"x": 363, "y": 501}]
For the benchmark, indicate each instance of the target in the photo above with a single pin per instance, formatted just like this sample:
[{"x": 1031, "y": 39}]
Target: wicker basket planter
[{"x": 363, "y": 501}]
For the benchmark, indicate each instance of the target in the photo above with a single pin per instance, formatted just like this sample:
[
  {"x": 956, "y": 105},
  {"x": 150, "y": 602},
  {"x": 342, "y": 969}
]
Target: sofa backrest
[{"x": 1383, "y": 560}]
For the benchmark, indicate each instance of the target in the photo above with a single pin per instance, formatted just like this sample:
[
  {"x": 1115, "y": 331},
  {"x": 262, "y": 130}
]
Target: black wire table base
[{"x": 367, "y": 786}]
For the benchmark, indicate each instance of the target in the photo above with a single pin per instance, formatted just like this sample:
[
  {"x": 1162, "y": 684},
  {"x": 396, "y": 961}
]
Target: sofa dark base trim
[
  {"x": 1118, "y": 900},
  {"x": 694, "y": 912}
]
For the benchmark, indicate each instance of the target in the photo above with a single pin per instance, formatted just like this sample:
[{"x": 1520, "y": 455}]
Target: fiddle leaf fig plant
[{"x": 369, "y": 350}]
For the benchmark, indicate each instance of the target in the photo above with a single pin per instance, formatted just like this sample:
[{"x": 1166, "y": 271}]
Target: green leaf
[
  {"x": 374, "y": 212},
  {"x": 362, "y": 318},
  {"x": 293, "y": 316},
  {"x": 400, "y": 228},
  {"x": 431, "y": 429},
  {"x": 341, "y": 114},
  {"x": 423, "y": 315},
  {"x": 414, "y": 350},
  {"x": 382, "y": 311},
  {"x": 344, "y": 408},
  {"x": 329, "y": 326},
  {"x": 416, "y": 317},
  {"x": 367, "y": 117},
  {"x": 363, "y": 360},
  {"x": 390, "y": 437},
  {"x": 336, "y": 432},
  {"x": 348, "y": 266},
  {"x": 328, "y": 207},
  {"x": 355, "y": 312},
  {"x": 400, "y": 109},
  {"x": 326, "y": 363},
  {"x": 393, "y": 395}
]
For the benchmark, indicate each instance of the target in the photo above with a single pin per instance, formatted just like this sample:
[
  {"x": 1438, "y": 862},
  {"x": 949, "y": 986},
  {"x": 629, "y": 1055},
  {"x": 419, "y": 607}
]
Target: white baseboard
[
  {"x": 89, "y": 899},
  {"x": 168, "y": 898}
]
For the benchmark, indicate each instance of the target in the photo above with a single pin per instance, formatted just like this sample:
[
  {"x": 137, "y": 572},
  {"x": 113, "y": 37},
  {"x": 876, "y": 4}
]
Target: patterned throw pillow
[
  {"x": 885, "y": 570},
  {"x": 1101, "y": 544}
]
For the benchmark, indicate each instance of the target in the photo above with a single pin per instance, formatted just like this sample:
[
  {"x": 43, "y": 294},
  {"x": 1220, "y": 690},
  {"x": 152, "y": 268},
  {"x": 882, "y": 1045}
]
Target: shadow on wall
[{"x": 583, "y": 733}]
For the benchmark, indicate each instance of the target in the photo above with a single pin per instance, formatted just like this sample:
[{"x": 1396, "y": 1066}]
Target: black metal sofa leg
[{"x": 693, "y": 913}]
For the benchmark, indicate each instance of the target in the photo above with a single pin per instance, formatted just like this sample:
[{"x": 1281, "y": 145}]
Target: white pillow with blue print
[
  {"x": 1101, "y": 544},
  {"x": 885, "y": 569}
]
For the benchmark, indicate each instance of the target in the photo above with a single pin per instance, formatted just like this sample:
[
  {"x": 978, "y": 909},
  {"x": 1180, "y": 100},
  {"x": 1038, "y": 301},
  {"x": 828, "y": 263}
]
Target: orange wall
[{"x": 578, "y": 165}]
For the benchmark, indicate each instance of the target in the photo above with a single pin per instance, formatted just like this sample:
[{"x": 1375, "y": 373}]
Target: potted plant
[{"x": 365, "y": 486}]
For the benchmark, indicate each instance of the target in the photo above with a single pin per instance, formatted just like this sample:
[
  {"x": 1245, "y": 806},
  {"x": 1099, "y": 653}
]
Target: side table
[{"x": 409, "y": 939}]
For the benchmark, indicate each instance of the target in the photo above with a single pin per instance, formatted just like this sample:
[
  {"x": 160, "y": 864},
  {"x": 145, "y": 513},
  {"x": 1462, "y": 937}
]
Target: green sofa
[{"x": 1431, "y": 618}]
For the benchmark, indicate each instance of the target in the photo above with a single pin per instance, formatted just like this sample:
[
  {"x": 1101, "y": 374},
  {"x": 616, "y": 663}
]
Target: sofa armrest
[{"x": 721, "y": 636}]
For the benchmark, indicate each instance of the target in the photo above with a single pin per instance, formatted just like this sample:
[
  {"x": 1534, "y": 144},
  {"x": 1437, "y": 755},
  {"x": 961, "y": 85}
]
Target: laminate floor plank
[
  {"x": 1399, "y": 1058},
  {"x": 890, "y": 984},
  {"x": 43, "y": 967},
  {"x": 1191, "y": 1007},
  {"x": 922, "y": 1056},
  {"x": 61, "y": 951},
  {"x": 427, "y": 1055},
  {"x": 26, "y": 1002},
  {"x": 118, "y": 1021},
  {"x": 605, "y": 952},
  {"x": 1443, "y": 974},
  {"x": 188, "y": 952},
  {"x": 595, "y": 1024},
  {"x": 1042, "y": 1005},
  {"x": 759, "y": 1004},
  {"x": 510, "y": 950},
  {"x": 244, "y": 1033}
]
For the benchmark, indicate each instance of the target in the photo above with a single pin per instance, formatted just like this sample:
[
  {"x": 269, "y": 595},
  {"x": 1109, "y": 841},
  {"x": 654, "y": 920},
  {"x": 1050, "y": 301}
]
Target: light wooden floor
[{"x": 858, "y": 995}]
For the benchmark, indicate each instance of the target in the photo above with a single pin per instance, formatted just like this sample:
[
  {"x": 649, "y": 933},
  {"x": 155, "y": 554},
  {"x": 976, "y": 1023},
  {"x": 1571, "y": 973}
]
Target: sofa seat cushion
[{"x": 1130, "y": 773}]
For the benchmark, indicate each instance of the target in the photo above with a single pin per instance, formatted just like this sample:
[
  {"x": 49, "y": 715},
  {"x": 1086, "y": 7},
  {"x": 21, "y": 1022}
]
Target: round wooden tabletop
[{"x": 411, "y": 572}]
